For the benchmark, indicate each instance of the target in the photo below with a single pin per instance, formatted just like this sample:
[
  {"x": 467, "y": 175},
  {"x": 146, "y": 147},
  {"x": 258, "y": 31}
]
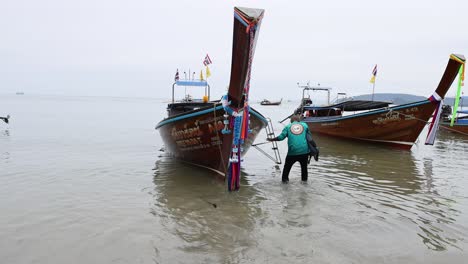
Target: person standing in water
[{"x": 298, "y": 148}]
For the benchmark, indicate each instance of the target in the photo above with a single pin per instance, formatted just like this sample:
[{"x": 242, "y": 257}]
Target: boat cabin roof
[
  {"x": 191, "y": 83},
  {"x": 353, "y": 105}
]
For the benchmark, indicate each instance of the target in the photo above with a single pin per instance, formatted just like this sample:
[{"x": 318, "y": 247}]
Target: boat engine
[{"x": 446, "y": 112}]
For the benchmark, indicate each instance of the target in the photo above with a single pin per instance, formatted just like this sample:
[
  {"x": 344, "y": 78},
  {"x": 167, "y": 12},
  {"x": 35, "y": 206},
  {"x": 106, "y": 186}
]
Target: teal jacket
[{"x": 297, "y": 141}]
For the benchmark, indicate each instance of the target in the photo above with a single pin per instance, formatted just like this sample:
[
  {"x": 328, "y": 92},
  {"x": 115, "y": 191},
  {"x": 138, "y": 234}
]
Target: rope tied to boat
[
  {"x": 434, "y": 124},
  {"x": 454, "y": 130},
  {"x": 251, "y": 24},
  {"x": 219, "y": 139}
]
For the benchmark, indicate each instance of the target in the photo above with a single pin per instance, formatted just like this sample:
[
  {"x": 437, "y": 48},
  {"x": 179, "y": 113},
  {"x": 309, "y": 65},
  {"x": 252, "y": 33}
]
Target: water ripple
[{"x": 398, "y": 191}]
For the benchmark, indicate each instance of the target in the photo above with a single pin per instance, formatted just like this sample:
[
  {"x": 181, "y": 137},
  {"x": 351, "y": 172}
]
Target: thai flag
[
  {"x": 374, "y": 71},
  {"x": 207, "y": 60},
  {"x": 176, "y": 78}
]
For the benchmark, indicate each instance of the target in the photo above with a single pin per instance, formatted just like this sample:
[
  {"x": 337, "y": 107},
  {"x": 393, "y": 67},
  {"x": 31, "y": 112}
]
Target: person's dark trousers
[{"x": 290, "y": 160}]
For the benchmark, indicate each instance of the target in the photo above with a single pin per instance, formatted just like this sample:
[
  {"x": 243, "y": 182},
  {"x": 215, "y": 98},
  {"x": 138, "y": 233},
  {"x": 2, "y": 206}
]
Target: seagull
[{"x": 5, "y": 118}]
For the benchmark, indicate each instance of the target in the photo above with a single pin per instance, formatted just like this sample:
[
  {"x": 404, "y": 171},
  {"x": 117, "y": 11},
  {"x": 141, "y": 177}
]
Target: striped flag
[
  {"x": 207, "y": 60},
  {"x": 176, "y": 78},
  {"x": 374, "y": 73}
]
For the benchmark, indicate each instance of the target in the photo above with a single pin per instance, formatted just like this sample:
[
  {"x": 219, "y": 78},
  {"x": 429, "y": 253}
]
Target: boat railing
[{"x": 307, "y": 87}]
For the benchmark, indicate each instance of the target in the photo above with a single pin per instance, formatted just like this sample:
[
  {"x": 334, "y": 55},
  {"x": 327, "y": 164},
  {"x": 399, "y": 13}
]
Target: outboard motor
[
  {"x": 446, "y": 112},
  {"x": 306, "y": 101}
]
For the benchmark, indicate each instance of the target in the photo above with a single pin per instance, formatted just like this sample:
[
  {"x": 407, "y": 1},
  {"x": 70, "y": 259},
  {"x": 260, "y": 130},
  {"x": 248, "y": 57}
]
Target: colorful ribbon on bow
[{"x": 461, "y": 78}]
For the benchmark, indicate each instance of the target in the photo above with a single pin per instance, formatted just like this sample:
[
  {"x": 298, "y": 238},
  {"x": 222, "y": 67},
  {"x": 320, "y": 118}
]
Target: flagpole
[
  {"x": 206, "y": 83},
  {"x": 374, "y": 74},
  {"x": 373, "y": 88}
]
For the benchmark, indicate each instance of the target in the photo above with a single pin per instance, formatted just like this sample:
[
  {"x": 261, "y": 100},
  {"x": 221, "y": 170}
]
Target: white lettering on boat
[
  {"x": 387, "y": 118},
  {"x": 187, "y": 132}
]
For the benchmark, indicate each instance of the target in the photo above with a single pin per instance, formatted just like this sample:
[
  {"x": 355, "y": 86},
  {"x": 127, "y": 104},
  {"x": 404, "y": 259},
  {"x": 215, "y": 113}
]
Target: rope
[
  {"x": 427, "y": 123},
  {"x": 218, "y": 138},
  {"x": 453, "y": 130}
]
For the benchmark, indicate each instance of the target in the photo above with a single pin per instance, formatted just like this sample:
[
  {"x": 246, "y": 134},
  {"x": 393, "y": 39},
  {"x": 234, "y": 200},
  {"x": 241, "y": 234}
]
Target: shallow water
[{"x": 85, "y": 180}]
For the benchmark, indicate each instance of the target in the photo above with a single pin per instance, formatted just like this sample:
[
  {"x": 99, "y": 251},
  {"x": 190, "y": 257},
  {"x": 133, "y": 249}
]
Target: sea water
[{"x": 86, "y": 180}]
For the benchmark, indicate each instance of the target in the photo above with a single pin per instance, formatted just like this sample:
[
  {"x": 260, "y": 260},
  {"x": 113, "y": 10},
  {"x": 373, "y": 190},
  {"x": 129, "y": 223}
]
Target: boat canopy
[
  {"x": 191, "y": 83},
  {"x": 196, "y": 83},
  {"x": 354, "y": 105}
]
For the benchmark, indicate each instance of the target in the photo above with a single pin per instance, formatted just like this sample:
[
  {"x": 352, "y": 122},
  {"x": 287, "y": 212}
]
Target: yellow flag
[
  {"x": 201, "y": 75},
  {"x": 208, "y": 73},
  {"x": 374, "y": 73}
]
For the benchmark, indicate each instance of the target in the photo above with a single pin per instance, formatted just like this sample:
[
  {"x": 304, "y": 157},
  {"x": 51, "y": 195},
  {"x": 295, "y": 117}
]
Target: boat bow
[
  {"x": 247, "y": 23},
  {"x": 455, "y": 64},
  {"x": 451, "y": 71}
]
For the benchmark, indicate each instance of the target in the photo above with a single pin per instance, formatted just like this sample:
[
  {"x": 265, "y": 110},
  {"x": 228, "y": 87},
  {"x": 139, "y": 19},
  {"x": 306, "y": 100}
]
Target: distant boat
[
  {"x": 216, "y": 134},
  {"x": 377, "y": 122},
  {"x": 5, "y": 119},
  {"x": 267, "y": 102},
  {"x": 19, "y": 93},
  {"x": 460, "y": 124}
]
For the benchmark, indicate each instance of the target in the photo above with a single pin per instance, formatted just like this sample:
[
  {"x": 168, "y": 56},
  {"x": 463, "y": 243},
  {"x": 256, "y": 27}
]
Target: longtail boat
[
  {"x": 460, "y": 124},
  {"x": 378, "y": 122},
  {"x": 216, "y": 134},
  {"x": 268, "y": 102}
]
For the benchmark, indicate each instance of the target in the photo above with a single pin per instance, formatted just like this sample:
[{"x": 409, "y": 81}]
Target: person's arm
[{"x": 281, "y": 136}]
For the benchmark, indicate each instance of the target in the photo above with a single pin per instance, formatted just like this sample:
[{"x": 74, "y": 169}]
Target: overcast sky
[{"x": 133, "y": 48}]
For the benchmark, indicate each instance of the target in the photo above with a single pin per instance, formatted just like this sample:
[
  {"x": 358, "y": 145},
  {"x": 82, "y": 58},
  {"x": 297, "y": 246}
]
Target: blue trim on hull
[{"x": 171, "y": 120}]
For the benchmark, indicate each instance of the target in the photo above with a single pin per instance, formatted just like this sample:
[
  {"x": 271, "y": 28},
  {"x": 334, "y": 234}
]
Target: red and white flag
[{"x": 207, "y": 60}]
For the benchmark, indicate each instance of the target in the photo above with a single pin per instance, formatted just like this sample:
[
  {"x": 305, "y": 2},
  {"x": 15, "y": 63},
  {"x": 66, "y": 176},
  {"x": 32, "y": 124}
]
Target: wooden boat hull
[
  {"x": 461, "y": 127},
  {"x": 398, "y": 126},
  {"x": 195, "y": 137},
  {"x": 267, "y": 102},
  {"x": 276, "y": 103}
]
